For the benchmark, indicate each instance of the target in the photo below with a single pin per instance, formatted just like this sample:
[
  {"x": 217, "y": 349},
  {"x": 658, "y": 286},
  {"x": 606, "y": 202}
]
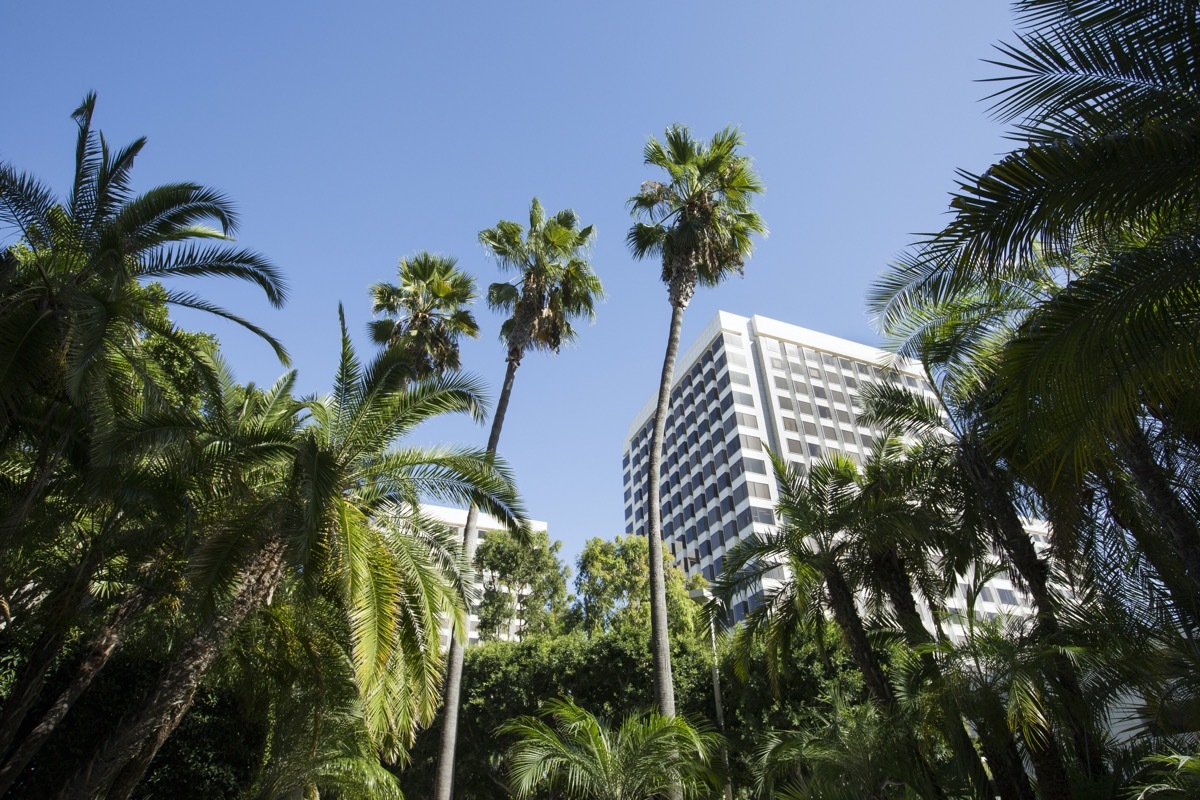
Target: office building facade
[{"x": 745, "y": 385}]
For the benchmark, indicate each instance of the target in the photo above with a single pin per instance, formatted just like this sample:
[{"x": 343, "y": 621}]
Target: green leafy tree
[
  {"x": 602, "y": 669},
  {"x": 612, "y": 589},
  {"x": 522, "y": 581},
  {"x": 583, "y": 757},
  {"x": 554, "y": 287},
  {"x": 699, "y": 223},
  {"x": 426, "y": 313}
]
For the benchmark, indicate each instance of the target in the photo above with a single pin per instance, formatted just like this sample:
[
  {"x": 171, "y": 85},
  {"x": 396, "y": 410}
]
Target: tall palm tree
[
  {"x": 426, "y": 313},
  {"x": 700, "y": 224},
  {"x": 344, "y": 512},
  {"x": 585, "y": 759},
  {"x": 554, "y": 287}
]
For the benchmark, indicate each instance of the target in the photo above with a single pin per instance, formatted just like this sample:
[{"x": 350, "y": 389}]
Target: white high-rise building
[{"x": 747, "y": 384}]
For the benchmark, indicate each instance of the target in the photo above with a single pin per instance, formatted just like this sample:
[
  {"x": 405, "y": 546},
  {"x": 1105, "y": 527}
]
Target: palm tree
[
  {"x": 343, "y": 513},
  {"x": 581, "y": 756},
  {"x": 86, "y": 344},
  {"x": 908, "y": 531},
  {"x": 700, "y": 224},
  {"x": 1108, "y": 106},
  {"x": 554, "y": 287},
  {"x": 1104, "y": 97},
  {"x": 820, "y": 509},
  {"x": 73, "y": 292},
  {"x": 990, "y": 493},
  {"x": 426, "y": 313}
]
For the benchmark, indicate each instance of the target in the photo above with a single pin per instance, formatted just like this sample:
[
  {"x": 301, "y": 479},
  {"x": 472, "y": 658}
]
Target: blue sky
[{"x": 352, "y": 134}]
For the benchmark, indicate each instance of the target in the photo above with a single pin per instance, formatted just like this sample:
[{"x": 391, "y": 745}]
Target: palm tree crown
[
  {"x": 426, "y": 313},
  {"x": 73, "y": 296},
  {"x": 644, "y": 757},
  {"x": 700, "y": 222},
  {"x": 555, "y": 282}
]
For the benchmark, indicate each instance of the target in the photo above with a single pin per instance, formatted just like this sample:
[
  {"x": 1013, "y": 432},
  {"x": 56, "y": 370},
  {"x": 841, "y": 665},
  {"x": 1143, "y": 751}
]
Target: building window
[
  {"x": 743, "y": 399},
  {"x": 763, "y": 515},
  {"x": 751, "y": 442},
  {"x": 749, "y": 420},
  {"x": 795, "y": 447},
  {"x": 739, "y": 378},
  {"x": 789, "y": 424},
  {"x": 759, "y": 490},
  {"x": 756, "y": 466},
  {"x": 786, "y": 403},
  {"x": 782, "y": 382},
  {"x": 814, "y": 450}
]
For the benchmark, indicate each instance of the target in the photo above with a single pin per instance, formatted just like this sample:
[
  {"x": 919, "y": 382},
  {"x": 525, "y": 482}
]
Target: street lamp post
[{"x": 705, "y": 596}]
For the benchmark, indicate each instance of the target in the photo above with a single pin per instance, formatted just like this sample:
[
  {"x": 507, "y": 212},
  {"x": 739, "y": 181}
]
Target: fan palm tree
[
  {"x": 554, "y": 287},
  {"x": 344, "y": 512},
  {"x": 700, "y": 223},
  {"x": 582, "y": 757},
  {"x": 426, "y": 313}
]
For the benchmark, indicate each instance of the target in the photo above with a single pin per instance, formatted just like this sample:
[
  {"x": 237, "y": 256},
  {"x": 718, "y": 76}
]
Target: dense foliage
[{"x": 215, "y": 589}]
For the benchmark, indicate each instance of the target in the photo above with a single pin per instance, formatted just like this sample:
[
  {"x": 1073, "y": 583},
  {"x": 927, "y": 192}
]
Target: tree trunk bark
[
  {"x": 101, "y": 649},
  {"x": 660, "y": 641},
  {"x": 444, "y": 779},
  {"x": 41, "y": 657},
  {"x": 1049, "y": 768},
  {"x": 893, "y": 576},
  {"x": 1183, "y": 535},
  {"x": 1019, "y": 549},
  {"x": 845, "y": 614},
  {"x": 138, "y": 737}
]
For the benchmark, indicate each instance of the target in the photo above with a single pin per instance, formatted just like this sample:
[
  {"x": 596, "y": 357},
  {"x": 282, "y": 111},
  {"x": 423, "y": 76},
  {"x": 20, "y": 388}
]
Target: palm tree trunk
[
  {"x": 845, "y": 614},
  {"x": 1049, "y": 768},
  {"x": 138, "y": 737},
  {"x": 894, "y": 578},
  {"x": 444, "y": 779},
  {"x": 1183, "y": 535},
  {"x": 660, "y": 641},
  {"x": 1018, "y": 548},
  {"x": 101, "y": 649},
  {"x": 41, "y": 657}
]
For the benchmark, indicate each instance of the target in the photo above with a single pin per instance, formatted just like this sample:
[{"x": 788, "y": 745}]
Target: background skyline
[{"x": 350, "y": 137}]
